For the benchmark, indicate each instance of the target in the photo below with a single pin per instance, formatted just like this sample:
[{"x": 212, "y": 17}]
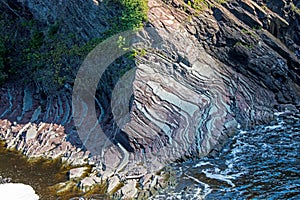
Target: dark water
[
  {"x": 40, "y": 174},
  {"x": 263, "y": 163}
]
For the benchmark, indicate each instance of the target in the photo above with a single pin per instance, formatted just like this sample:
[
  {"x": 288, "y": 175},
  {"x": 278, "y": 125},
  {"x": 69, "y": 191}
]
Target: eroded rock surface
[
  {"x": 41, "y": 141},
  {"x": 206, "y": 74}
]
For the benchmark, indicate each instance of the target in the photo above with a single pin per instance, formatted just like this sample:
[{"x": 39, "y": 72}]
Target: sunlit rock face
[
  {"x": 204, "y": 75},
  {"x": 17, "y": 191},
  {"x": 181, "y": 102},
  {"x": 201, "y": 80},
  {"x": 41, "y": 141}
]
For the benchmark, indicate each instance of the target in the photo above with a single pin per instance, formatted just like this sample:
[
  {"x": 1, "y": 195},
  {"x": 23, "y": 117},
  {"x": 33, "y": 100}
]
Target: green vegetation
[
  {"x": 264, "y": 6},
  {"x": 47, "y": 55},
  {"x": 37, "y": 40},
  {"x": 221, "y": 1},
  {"x": 198, "y": 4},
  {"x": 138, "y": 52},
  {"x": 295, "y": 8},
  {"x": 248, "y": 46},
  {"x": 248, "y": 32},
  {"x": 134, "y": 14},
  {"x": 53, "y": 29}
]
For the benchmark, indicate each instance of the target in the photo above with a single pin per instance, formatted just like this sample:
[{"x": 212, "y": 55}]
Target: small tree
[{"x": 134, "y": 14}]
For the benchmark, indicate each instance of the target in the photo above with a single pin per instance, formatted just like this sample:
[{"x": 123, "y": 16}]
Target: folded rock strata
[{"x": 205, "y": 74}]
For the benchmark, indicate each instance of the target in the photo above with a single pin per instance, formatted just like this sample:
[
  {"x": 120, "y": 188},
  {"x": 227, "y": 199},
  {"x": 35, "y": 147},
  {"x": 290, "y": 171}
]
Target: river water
[
  {"x": 40, "y": 174},
  {"x": 263, "y": 163}
]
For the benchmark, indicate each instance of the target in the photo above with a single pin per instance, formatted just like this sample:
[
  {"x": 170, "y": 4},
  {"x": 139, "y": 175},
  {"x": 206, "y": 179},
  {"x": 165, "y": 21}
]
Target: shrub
[
  {"x": 37, "y": 40},
  {"x": 295, "y": 8},
  {"x": 134, "y": 14},
  {"x": 221, "y": 1}
]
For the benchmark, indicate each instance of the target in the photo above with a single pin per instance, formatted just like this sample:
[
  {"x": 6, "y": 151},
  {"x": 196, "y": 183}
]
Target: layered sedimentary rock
[
  {"x": 205, "y": 74},
  {"x": 41, "y": 141},
  {"x": 71, "y": 15},
  {"x": 211, "y": 75}
]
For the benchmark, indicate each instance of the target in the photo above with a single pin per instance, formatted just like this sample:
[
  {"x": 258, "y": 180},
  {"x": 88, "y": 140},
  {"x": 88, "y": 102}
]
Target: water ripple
[{"x": 263, "y": 163}]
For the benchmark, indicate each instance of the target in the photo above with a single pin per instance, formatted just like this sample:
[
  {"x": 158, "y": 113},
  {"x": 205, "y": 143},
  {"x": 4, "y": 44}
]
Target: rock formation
[
  {"x": 17, "y": 191},
  {"x": 215, "y": 70}
]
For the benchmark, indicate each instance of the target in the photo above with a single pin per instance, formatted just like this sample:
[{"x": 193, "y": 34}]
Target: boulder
[{"x": 17, "y": 191}]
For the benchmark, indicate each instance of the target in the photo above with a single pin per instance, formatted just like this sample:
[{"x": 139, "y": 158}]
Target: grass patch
[
  {"x": 198, "y": 5},
  {"x": 295, "y": 8},
  {"x": 248, "y": 32},
  {"x": 248, "y": 46}
]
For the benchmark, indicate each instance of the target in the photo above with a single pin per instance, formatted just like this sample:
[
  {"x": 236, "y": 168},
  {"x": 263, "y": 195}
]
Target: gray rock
[{"x": 78, "y": 172}]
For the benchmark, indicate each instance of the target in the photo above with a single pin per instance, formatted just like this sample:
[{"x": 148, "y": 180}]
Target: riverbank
[
  {"x": 204, "y": 71},
  {"x": 37, "y": 153},
  {"x": 45, "y": 175}
]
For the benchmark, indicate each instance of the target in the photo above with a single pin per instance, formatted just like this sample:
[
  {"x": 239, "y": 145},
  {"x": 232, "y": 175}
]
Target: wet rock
[
  {"x": 78, "y": 172},
  {"x": 113, "y": 184},
  {"x": 41, "y": 140},
  {"x": 31, "y": 133},
  {"x": 87, "y": 183},
  {"x": 129, "y": 190},
  {"x": 4, "y": 180},
  {"x": 215, "y": 71}
]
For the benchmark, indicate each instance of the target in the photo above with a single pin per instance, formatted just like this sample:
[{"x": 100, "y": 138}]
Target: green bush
[
  {"x": 42, "y": 51},
  {"x": 221, "y": 1},
  {"x": 37, "y": 40},
  {"x": 134, "y": 14},
  {"x": 53, "y": 29},
  {"x": 198, "y": 4}
]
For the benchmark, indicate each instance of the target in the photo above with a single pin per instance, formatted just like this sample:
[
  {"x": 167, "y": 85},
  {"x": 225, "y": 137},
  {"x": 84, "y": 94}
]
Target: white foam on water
[
  {"x": 273, "y": 127},
  {"x": 202, "y": 164},
  {"x": 207, "y": 190},
  {"x": 242, "y": 132},
  {"x": 278, "y": 113},
  {"x": 17, "y": 191},
  {"x": 220, "y": 177}
]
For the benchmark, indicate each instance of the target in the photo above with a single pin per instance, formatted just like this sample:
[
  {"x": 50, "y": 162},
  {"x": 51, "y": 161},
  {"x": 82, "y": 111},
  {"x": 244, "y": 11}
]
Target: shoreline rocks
[
  {"x": 17, "y": 191},
  {"x": 210, "y": 74},
  {"x": 48, "y": 141},
  {"x": 4, "y": 180}
]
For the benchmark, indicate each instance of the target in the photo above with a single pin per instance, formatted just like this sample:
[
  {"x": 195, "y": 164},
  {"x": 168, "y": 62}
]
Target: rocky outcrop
[
  {"x": 70, "y": 15},
  {"x": 48, "y": 141},
  {"x": 27, "y": 105},
  {"x": 41, "y": 141},
  {"x": 206, "y": 74},
  {"x": 214, "y": 77},
  {"x": 4, "y": 180},
  {"x": 17, "y": 191}
]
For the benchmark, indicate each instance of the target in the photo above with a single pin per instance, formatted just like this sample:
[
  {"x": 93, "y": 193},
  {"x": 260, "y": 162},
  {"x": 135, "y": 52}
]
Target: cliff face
[
  {"x": 213, "y": 75},
  {"x": 216, "y": 69},
  {"x": 87, "y": 19}
]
